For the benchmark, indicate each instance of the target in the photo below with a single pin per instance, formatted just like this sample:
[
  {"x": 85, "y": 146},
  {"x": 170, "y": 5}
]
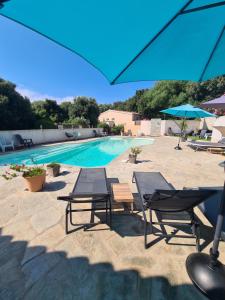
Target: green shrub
[
  {"x": 117, "y": 129},
  {"x": 76, "y": 122},
  {"x": 33, "y": 171},
  {"x": 106, "y": 128},
  {"x": 52, "y": 165}
]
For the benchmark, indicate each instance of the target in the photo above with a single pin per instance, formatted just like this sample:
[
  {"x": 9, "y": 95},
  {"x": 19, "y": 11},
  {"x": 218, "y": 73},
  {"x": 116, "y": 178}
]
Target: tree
[
  {"x": 86, "y": 108},
  {"x": 48, "y": 113},
  {"x": 104, "y": 107},
  {"x": 66, "y": 107},
  {"x": 76, "y": 122},
  {"x": 15, "y": 110}
]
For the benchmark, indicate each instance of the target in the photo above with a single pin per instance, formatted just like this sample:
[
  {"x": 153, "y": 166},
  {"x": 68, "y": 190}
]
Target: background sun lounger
[
  {"x": 198, "y": 145},
  {"x": 5, "y": 143},
  {"x": 20, "y": 142}
]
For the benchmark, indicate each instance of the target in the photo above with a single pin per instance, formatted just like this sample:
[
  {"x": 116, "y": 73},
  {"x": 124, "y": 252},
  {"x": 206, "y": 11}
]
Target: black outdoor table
[{"x": 90, "y": 187}]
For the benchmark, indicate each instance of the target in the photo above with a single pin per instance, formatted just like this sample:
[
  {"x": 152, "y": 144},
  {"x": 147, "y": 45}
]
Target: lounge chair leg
[
  {"x": 150, "y": 217},
  {"x": 145, "y": 235},
  {"x": 110, "y": 214},
  {"x": 196, "y": 232},
  {"x": 92, "y": 213},
  {"x": 66, "y": 219},
  {"x": 106, "y": 212},
  {"x": 198, "y": 247}
]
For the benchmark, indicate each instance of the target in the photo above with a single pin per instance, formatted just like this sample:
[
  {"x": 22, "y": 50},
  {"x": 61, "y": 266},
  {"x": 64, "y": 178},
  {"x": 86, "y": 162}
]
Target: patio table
[{"x": 90, "y": 187}]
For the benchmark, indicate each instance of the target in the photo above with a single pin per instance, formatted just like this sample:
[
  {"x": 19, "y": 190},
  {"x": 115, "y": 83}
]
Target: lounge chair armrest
[{"x": 64, "y": 198}]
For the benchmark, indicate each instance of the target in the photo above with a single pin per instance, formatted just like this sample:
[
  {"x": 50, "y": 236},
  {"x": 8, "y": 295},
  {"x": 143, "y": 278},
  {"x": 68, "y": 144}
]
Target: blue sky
[{"x": 42, "y": 69}]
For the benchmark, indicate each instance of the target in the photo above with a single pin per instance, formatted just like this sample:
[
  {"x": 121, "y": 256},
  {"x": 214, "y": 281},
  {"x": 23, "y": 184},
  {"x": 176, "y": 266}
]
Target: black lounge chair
[
  {"x": 75, "y": 135},
  {"x": 171, "y": 133},
  {"x": 20, "y": 142},
  {"x": 172, "y": 207},
  {"x": 69, "y": 135},
  {"x": 198, "y": 145},
  {"x": 95, "y": 133},
  {"x": 90, "y": 187}
]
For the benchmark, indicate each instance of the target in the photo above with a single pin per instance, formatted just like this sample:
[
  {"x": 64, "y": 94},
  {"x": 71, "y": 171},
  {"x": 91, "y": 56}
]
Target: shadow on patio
[{"x": 32, "y": 273}]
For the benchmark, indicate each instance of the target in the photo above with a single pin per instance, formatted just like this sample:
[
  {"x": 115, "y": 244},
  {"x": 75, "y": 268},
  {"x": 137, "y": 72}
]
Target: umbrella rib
[
  {"x": 152, "y": 40},
  {"x": 203, "y": 7},
  {"x": 212, "y": 53}
]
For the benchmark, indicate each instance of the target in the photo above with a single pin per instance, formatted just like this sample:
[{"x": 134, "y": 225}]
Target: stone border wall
[{"x": 42, "y": 136}]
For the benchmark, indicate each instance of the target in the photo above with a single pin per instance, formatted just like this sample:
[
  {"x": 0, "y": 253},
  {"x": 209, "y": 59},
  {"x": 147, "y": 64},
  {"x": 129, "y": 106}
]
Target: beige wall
[
  {"x": 217, "y": 134},
  {"x": 145, "y": 127},
  {"x": 165, "y": 124},
  {"x": 49, "y": 135},
  {"x": 132, "y": 127},
  {"x": 118, "y": 117},
  {"x": 207, "y": 123}
]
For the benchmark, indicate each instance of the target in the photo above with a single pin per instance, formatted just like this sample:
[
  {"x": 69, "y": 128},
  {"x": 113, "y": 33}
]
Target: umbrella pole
[
  {"x": 178, "y": 147},
  {"x": 205, "y": 270}
]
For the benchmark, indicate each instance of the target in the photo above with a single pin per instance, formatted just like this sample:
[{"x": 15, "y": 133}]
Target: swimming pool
[{"x": 85, "y": 154}]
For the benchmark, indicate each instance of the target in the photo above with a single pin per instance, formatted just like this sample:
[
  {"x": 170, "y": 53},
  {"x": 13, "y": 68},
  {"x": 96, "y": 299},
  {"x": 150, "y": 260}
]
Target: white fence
[
  {"x": 176, "y": 126},
  {"x": 42, "y": 136}
]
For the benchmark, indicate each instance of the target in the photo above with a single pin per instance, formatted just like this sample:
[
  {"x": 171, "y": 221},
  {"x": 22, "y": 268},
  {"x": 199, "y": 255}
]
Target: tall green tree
[
  {"x": 48, "y": 113},
  {"x": 85, "y": 107},
  {"x": 15, "y": 110}
]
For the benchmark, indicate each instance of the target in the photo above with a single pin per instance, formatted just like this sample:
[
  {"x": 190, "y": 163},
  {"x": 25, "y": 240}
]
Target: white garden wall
[
  {"x": 41, "y": 136},
  {"x": 217, "y": 134},
  {"x": 191, "y": 125},
  {"x": 207, "y": 123}
]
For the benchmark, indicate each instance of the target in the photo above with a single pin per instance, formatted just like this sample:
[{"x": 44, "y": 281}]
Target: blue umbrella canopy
[
  {"x": 133, "y": 40},
  {"x": 187, "y": 111}
]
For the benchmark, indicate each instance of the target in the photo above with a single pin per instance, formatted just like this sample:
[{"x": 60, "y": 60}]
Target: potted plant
[
  {"x": 133, "y": 155},
  {"x": 53, "y": 169},
  {"x": 35, "y": 178}
]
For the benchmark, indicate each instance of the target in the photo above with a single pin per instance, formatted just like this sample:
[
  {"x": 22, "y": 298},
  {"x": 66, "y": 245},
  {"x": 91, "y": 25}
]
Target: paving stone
[
  {"x": 40, "y": 261},
  {"x": 38, "y": 245},
  {"x": 9, "y": 209},
  {"x": 45, "y": 219},
  {"x": 20, "y": 230},
  {"x": 38, "y": 267}
]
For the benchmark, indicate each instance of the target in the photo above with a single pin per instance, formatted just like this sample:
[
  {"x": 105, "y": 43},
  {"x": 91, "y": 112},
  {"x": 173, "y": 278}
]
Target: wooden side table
[{"x": 122, "y": 194}]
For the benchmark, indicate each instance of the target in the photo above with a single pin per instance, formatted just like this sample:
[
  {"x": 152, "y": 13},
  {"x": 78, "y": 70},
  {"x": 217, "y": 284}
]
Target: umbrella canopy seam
[
  {"x": 152, "y": 40},
  {"x": 212, "y": 53},
  {"x": 203, "y": 7}
]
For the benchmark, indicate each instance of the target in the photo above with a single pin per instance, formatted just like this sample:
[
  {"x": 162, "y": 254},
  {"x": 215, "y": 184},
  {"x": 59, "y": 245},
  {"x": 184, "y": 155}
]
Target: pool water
[{"x": 85, "y": 154}]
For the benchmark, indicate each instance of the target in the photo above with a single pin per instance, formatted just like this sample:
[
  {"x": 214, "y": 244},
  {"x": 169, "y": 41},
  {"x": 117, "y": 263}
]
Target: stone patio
[{"x": 38, "y": 261}]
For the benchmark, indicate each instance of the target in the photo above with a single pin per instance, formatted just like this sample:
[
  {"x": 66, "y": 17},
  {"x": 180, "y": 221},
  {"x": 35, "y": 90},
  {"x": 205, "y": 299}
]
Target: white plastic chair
[{"x": 4, "y": 143}]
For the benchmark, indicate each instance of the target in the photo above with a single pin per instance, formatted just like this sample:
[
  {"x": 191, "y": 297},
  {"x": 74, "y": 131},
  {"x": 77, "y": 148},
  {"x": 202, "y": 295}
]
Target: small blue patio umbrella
[{"x": 186, "y": 111}]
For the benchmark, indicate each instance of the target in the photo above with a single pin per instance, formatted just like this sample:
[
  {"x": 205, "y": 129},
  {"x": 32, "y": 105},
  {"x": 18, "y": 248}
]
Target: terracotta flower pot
[
  {"x": 35, "y": 183},
  {"x": 53, "y": 171}
]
